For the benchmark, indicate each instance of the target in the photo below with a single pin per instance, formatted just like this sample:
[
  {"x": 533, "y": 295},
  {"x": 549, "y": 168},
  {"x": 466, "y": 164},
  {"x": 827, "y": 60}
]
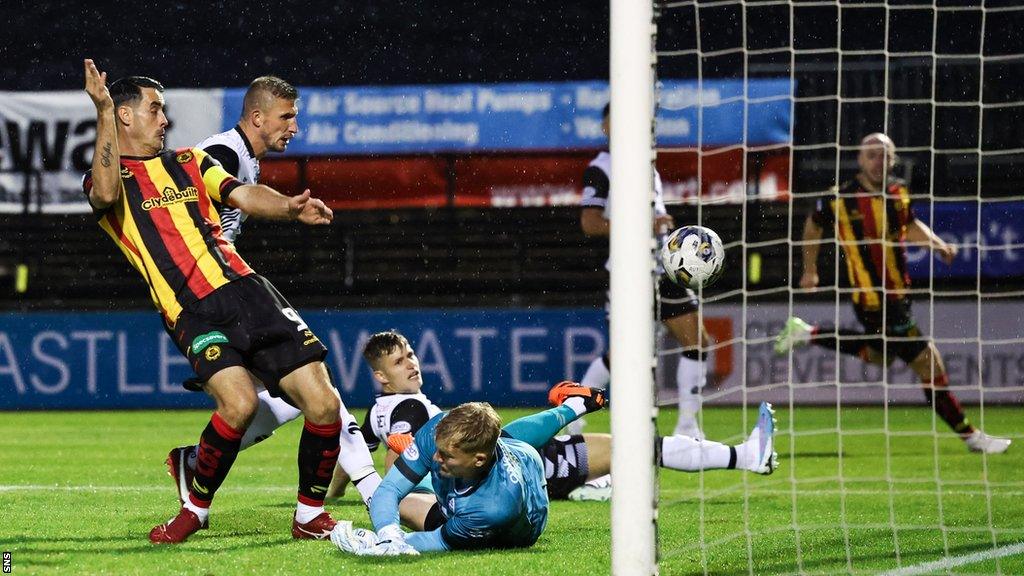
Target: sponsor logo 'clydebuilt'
[{"x": 171, "y": 196}]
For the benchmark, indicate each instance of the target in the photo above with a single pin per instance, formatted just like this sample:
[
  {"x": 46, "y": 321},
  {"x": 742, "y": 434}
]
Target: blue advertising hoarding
[
  {"x": 126, "y": 360},
  {"x": 997, "y": 239},
  {"x": 523, "y": 116}
]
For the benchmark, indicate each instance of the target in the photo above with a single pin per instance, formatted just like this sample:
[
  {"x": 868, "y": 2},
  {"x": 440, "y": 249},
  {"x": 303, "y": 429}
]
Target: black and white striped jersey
[
  {"x": 396, "y": 414},
  {"x": 597, "y": 182},
  {"x": 233, "y": 150}
]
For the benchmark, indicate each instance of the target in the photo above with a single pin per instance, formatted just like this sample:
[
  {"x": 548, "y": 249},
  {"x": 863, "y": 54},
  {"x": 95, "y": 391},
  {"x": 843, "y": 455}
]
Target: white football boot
[{"x": 978, "y": 441}]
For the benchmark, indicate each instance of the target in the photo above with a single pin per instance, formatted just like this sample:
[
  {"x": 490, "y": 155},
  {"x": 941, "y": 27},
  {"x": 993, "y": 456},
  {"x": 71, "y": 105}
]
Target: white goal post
[{"x": 632, "y": 287}]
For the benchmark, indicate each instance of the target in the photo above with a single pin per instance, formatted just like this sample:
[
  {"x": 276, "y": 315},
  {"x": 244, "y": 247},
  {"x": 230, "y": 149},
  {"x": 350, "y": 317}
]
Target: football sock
[
  {"x": 367, "y": 485},
  {"x": 689, "y": 379},
  {"x": 597, "y": 374},
  {"x": 948, "y": 407},
  {"x": 318, "y": 454},
  {"x": 537, "y": 429},
  {"x": 304, "y": 513},
  {"x": 271, "y": 414},
  {"x": 692, "y": 455},
  {"x": 354, "y": 457},
  {"x": 218, "y": 447},
  {"x": 826, "y": 337}
]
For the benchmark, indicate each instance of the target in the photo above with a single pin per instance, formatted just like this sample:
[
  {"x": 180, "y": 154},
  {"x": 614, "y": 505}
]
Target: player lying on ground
[
  {"x": 268, "y": 123},
  {"x": 575, "y": 466},
  {"x": 873, "y": 218},
  {"x": 489, "y": 481}
]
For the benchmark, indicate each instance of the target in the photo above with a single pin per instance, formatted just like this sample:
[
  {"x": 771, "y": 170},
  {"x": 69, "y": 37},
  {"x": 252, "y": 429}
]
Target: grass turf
[{"x": 79, "y": 491}]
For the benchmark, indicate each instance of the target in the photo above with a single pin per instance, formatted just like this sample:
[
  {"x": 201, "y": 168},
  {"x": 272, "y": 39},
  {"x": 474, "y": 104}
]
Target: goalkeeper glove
[{"x": 593, "y": 398}]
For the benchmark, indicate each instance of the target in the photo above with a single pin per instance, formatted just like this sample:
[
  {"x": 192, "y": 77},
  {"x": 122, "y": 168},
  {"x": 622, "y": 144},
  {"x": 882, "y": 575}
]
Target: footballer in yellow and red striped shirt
[
  {"x": 158, "y": 207},
  {"x": 168, "y": 228},
  {"x": 873, "y": 220}
]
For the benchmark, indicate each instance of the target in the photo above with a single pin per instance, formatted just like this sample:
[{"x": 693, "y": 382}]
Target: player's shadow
[
  {"x": 34, "y": 548},
  {"x": 817, "y": 455},
  {"x": 330, "y": 505}
]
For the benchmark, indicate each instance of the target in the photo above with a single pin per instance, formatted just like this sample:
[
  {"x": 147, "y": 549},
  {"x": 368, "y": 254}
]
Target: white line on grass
[
  {"x": 947, "y": 563},
  {"x": 86, "y": 488}
]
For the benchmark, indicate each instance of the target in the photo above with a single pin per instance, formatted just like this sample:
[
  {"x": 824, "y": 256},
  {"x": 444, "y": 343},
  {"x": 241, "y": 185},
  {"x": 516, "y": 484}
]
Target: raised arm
[
  {"x": 265, "y": 202},
  {"x": 106, "y": 159},
  {"x": 810, "y": 249},
  {"x": 920, "y": 233}
]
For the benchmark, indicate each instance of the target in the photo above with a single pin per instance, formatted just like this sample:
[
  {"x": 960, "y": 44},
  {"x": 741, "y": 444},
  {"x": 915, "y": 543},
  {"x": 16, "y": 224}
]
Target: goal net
[{"x": 873, "y": 479}]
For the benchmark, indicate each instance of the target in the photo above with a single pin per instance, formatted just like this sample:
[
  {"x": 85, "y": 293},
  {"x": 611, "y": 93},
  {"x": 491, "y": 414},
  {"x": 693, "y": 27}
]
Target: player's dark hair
[
  {"x": 381, "y": 344},
  {"x": 128, "y": 90},
  {"x": 256, "y": 97},
  {"x": 607, "y": 110}
]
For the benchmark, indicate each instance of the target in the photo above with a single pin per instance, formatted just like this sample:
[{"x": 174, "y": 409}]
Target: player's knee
[
  {"x": 324, "y": 409},
  {"x": 238, "y": 411}
]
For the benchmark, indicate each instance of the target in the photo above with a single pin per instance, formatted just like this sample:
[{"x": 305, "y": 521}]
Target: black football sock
[
  {"x": 218, "y": 448},
  {"x": 947, "y": 406},
  {"x": 827, "y": 337},
  {"x": 318, "y": 454}
]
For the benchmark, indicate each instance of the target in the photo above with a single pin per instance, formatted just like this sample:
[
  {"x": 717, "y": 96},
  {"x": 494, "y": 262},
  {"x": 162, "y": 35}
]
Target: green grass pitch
[{"x": 79, "y": 492}]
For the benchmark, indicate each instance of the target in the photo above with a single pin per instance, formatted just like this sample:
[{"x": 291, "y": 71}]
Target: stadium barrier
[{"x": 506, "y": 357}]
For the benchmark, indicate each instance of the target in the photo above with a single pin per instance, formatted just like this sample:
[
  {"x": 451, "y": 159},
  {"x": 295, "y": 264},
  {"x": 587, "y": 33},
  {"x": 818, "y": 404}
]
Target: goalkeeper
[{"x": 489, "y": 481}]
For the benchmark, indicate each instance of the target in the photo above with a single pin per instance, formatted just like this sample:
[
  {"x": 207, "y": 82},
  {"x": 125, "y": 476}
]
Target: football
[{"x": 693, "y": 256}]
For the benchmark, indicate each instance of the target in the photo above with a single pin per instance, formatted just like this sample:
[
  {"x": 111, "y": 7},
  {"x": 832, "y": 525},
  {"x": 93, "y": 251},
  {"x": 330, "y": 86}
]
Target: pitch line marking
[
  {"x": 955, "y": 561},
  {"x": 87, "y": 488}
]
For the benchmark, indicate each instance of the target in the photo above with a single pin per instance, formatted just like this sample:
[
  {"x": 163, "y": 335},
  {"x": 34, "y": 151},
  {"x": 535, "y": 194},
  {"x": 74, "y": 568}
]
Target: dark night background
[{"x": 887, "y": 79}]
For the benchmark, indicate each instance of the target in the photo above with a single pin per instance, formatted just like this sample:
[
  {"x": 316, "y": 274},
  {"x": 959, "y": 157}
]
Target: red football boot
[
  {"x": 318, "y": 528},
  {"x": 177, "y": 529}
]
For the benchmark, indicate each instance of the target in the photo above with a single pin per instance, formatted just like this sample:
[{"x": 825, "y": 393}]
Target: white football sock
[
  {"x": 354, "y": 456},
  {"x": 692, "y": 455},
  {"x": 304, "y": 513},
  {"x": 689, "y": 379},
  {"x": 597, "y": 374},
  {"x": 271, "y": 414},
  {"x": 202, "y": 513}
]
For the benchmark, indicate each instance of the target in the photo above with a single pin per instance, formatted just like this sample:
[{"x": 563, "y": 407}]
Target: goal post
[
  {"x": 873, "y": 478},
  {"x": 631, "y": 325}
]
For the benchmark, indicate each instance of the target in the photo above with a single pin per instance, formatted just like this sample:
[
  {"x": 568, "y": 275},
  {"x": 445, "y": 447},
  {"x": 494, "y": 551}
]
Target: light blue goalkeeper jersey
[{"x": 508, "y": 508}]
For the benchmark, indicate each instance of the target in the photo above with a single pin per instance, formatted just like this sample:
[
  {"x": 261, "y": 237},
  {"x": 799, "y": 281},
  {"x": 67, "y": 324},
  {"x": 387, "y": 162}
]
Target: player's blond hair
[{"x": 472, "y": 427}]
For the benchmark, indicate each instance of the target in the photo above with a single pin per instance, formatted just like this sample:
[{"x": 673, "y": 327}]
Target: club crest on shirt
[{"x": 185, "y": 157}]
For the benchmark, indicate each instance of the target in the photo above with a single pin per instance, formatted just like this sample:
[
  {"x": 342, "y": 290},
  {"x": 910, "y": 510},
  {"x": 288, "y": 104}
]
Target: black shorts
[
  {"x": 246, "y": 323},
  {"x": 565, "y": 465},
  {"x": 898, "y": 323},
  {"x": 673, "y": 300}
]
